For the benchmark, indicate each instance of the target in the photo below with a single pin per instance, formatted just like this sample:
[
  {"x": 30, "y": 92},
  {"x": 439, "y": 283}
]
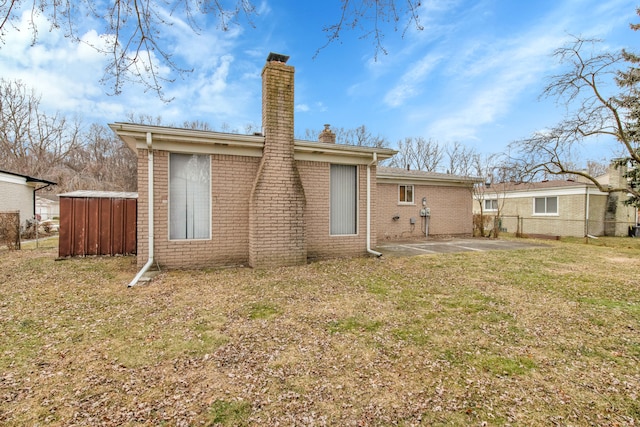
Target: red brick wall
[{"x": 451, "y": 212}]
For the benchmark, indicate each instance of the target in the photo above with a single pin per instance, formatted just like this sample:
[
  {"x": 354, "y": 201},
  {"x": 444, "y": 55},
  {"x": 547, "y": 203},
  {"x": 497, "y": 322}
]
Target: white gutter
[
  {"x": 150, "y": 202},
  {"x": 371, "y": 251},
  {"x": 586, "y": 211}
]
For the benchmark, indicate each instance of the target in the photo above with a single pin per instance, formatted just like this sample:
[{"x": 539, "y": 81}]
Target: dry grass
[{"x": 530, "y": 337}]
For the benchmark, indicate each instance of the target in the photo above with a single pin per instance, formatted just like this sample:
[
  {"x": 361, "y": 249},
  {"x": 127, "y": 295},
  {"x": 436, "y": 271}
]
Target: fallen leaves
[{"x": 450, "y": 339}]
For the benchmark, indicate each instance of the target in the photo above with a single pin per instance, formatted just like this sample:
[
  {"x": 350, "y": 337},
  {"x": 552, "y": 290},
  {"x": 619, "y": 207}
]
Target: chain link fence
[{"x": 490, "y": 225}]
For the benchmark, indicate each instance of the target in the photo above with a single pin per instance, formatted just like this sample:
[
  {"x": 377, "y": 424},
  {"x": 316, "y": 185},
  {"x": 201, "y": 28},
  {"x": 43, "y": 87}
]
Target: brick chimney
[
  {"x": 276, "y": 209},
  {"x": 327, "y": 135}
]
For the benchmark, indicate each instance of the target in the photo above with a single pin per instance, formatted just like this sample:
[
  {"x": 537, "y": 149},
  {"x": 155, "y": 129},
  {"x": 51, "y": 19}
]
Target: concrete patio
[{"x": 439, "y": 246}]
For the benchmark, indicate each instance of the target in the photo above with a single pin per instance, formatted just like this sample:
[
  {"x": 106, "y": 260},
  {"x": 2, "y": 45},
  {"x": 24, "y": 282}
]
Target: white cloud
[
  {"x": 68, "y": 74},
  {"x": 411, "y": 83},
  {"x": 485, "y": 78}
]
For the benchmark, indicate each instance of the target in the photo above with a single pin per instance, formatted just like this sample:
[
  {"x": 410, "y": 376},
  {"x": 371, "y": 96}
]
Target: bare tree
[
  {"x": 418, "y": 154},
  {"x": 370, "y": 16},
  {"x": 461, "y": 160},
  {"x": 498, "y": 173},
  {"x": 132, "y": 30},
  {"x": 52, "y": 147},
  {"x": 359, "y": 136},
  {"x": 145, "y": 119},
  {"x": 595, "y": 168},
  {"x": 109, "y": 163},
  {"x": 31, "y": 142},
  {"x": 584, "y": 88},
  {"x": 102, "y": 162}
]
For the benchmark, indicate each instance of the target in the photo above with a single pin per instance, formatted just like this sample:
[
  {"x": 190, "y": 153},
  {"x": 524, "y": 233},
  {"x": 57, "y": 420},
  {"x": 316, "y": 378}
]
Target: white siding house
[{"x": 17, "y": 193}]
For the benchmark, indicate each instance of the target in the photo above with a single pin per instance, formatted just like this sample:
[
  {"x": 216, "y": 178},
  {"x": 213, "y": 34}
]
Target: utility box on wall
[{"x": 97, "y": 223}]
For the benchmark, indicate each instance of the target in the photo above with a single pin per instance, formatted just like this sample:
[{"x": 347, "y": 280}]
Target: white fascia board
[
  {"x": 444, "y": 181},
  {"x": 13, "y": 179},
  {"x": 337, "y": 153},
  {"x": 189, "y": 141},
  {"x": 544, "y": 192},
  {"x": 206, "y": 142}
]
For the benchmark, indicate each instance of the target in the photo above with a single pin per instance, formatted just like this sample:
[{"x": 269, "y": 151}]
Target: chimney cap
[{"x": 277, "y": 57}]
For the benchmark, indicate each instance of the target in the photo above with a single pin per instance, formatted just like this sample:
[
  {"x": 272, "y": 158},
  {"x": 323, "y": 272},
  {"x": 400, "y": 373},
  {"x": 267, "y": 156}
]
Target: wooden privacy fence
[
  {"x": 10, "y": 229},
  {"x": 97, "y": 223}
]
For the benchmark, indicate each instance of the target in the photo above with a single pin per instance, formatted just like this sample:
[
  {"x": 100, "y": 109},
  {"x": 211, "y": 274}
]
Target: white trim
[
  {"x": 413, "y": 197},
  {"x": 484, "y": 207},
  {"x": 12, "y": 179},
  {"x": 453, "y": 181},
  {"x": 533, "y": 207},
  {"x": 542, "y": 192},
  {"x": 206, "y": 142}
]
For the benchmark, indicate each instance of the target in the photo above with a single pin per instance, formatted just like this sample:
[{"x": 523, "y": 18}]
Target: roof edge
[{"x": 30, "y": 178}]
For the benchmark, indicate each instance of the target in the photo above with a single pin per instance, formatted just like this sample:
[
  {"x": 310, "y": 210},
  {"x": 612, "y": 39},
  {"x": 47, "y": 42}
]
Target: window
[
  {"x": 189, "y": 196},
  {"x": 545, "y": 205},
  {"x": 343, "y": 199},
  {"x": 405, "y": 194},
  {"x": 491, "y": 205}
]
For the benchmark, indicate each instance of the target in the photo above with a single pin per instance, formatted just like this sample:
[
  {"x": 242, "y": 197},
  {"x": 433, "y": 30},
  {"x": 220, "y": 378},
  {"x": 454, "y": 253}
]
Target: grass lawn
[{"x": 528, "y": 337}]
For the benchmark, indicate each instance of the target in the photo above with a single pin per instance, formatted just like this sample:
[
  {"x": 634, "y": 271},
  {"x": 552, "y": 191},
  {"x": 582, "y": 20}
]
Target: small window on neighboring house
[
  {"x": 491, "y": 205},
  {"x": 545, "y": 205},
  {"x": 189, "y": 196},
  {"x": 343, "y": 199},
  {"x": 405, "y": 194}
]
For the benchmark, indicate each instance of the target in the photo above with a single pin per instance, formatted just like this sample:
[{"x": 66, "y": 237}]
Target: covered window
[
  {"x": 189, "y": 196},
  {"x": 545, "y": 205},
  {"x": 343, "y": 199},
  {"x": 405, "y": 194},
  {"x": 491, "y": 205}
]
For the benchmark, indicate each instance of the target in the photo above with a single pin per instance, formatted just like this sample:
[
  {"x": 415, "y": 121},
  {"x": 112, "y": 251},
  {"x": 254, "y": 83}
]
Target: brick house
[
  {"x": 260, "y": 200},
  {"x": 560, "y": 207}
]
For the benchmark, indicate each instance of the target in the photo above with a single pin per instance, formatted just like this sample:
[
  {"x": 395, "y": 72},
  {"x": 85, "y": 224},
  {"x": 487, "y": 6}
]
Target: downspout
[
  {"x": 150, "y": 202},
  {"x": 371, "y": 251},
  {"x": 586, "y": 211}
]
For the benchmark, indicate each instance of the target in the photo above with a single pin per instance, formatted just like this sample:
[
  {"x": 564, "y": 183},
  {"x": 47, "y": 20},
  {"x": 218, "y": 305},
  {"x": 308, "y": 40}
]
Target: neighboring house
[
  {"x": 558, "y": 208},
  {"x": 47, "y": 207},
  {"x": 18, "y": 193},
  {"x": 260, "y": 200}
]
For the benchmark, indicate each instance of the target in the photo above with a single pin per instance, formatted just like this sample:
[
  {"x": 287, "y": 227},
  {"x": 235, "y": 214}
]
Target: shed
[{"x": 97, "y": 223}]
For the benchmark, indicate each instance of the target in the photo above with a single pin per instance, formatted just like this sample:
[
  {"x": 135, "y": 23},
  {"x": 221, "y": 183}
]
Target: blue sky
[{"x": 473, "y": 75}]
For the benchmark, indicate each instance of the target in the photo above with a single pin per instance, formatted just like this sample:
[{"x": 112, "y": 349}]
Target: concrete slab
[{"x": 438, "y": 246}]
